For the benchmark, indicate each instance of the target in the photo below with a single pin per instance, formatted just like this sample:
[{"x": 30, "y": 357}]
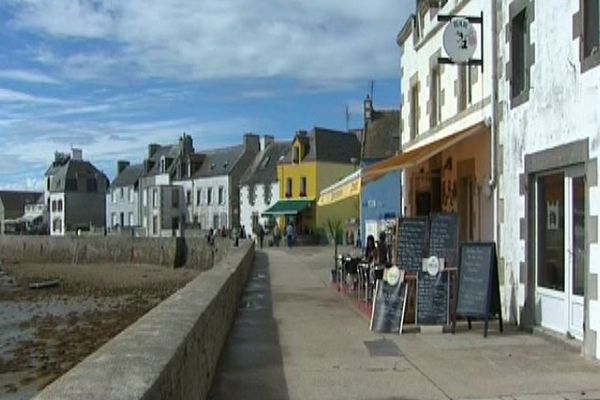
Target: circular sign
[
  {"x": 460, "y": 40},
  {"x": 432, "y": 265},
  {"x": 393, "y": 275}
]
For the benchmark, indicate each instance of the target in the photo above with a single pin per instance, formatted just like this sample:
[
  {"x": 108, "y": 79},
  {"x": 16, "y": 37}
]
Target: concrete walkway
[{"x": 301, "y": 340}]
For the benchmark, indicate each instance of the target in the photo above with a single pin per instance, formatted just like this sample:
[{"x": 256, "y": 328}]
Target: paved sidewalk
[{"x": 304, "y": 341}]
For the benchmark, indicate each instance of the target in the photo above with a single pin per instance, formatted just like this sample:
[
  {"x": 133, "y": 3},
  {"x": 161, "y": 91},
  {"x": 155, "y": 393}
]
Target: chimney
[
  {"x": 186, "y": 144},
  {"x": 152, "y": 148},
  {"x": 251, "y": 142},
  {"x": 265, "y": 141},
  {"x": 368, "y": 110},
  {"x": 121, "y": 165},
  {"x": 76, "y": 154}
]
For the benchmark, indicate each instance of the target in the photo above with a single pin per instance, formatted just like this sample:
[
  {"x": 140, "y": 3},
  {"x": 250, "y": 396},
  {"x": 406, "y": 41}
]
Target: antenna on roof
[{"x": 347, "y": 118}]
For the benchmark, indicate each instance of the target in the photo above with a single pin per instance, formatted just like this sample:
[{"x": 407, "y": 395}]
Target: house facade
[
  {"x": 122, "y": 198},
  {"x": 380, "y": 200},
  {"x": 445, "y": 129},
  {"x": 549, "y": 201},
  {"x": 216, "y": 184},
  {"x": 316, "y": 160},
  {"x": 259, "y": 188},
  {"x": 75, "y": 194}
]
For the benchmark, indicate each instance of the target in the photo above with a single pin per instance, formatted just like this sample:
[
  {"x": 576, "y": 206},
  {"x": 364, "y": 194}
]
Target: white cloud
[
  {"x": 27, "y": 76},
  {"x": 13, "y": 96},
  {"x": 325, "y": 40}
]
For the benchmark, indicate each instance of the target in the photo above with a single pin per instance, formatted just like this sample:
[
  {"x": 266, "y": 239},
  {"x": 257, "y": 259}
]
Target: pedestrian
[
  {"x": 209, "y": 236},
  {"x": 289, "y": 233},
  {"x": 261, "y": 235},
  {"x": 243, "y": 234},
  {"x": 276, "y": 235},
  {"x": 382, "y": 250}
]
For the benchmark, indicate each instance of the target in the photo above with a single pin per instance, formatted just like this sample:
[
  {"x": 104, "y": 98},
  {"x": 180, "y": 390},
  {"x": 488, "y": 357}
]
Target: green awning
[{"x": 288, "y": 207}]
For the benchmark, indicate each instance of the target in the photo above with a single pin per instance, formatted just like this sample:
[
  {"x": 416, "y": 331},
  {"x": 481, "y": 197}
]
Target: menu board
[
  {"x": 432, "y": 299},
  {"x": 388, "y": 307},
  {"x": 443, "y": 238},
  {"x": 412, "y": 243},
  {"x": 474, "y": 280}
]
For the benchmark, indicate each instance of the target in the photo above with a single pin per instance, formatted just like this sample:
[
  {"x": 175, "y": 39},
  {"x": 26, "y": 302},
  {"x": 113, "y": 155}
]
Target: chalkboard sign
[
  {"x": 412, "y": 243},
  {"x": 388, "y": 307},
  {"x": 478, "y": 286},
  {"x": 443, "y": 238},
  {"x": 432, "y": 299}
]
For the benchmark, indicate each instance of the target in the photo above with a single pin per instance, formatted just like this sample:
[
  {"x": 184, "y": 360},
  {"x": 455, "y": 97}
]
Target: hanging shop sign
[{"x": 460, "y": 40}]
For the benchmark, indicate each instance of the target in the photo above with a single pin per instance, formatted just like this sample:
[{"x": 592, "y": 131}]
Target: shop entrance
[{"x": 560, "y": 250}]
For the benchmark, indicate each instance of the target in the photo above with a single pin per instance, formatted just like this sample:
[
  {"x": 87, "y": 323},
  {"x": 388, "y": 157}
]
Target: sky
[{"x": 112, "y": 76}]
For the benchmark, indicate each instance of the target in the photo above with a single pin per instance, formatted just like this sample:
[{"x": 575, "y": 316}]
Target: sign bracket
[{"x": 474, "y": 20}]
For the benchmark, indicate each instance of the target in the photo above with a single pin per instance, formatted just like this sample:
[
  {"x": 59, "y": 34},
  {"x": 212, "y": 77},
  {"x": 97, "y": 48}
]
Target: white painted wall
[
  {"x": 206, "y": 212},
  {"x": 563, "y": 107},
  {"x": 260, "y": 206}
]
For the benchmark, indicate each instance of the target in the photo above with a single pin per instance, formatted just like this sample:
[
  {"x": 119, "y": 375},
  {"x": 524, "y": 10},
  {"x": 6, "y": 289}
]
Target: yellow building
[{"x": 316, "y": 160}]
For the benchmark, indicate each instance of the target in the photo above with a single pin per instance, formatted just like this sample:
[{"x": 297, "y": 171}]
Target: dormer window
[
  {"x": 163, "y": 165},
  {"x": 296, "y": 154}
]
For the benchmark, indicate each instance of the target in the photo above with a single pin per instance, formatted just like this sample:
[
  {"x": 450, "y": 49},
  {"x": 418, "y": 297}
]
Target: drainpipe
[{"x": 494, "y": 123}]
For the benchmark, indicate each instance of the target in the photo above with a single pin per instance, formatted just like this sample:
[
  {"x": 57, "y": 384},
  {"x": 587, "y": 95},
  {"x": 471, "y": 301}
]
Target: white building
[
  {"x": 445, "y": 140},
  {"x": 216, "y": 184},
  {"x": 122, "y": 198},
  {"x": 75, "y": 194},
  {"x": 259, "y": 188},
  {"x": 549, "y": 201}
]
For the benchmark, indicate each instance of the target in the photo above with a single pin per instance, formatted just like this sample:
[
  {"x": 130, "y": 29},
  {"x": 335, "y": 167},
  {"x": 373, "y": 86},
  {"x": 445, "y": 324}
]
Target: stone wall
[
  {"x": 173, "y": 350},
  {"x": 168, "y": 252}
]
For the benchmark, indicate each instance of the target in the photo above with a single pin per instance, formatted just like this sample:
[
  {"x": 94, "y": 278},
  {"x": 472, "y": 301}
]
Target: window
[
  {"x": 130, "y": 194},
  {"x": 145, "y": 198},
  {"x": 155, "y": 198},
  {"x": 414, "y": 112},
  {"x": 53, "y": 205},
  {"x": 221, "y": 195},
  {"x": 48, "y": 183},
  {"x": 155, "y": 225},
  {"x": 188, "y": 197},
  {"x": 296, "y": 155},
  {"x": 198, "y": 196},
  {"x": 591, "y": 28},
  {"x": 175, "y": 198},
  {"x": 163, "y": 165},
  {"x": 288, "y": 187},
  {"x": 209, "y": 196},
  {"x": 303, "y": 186},
  {"x": 60, "y": 205},
  {"x": 131, "y": 219},
  {"x": 518, "y": 45},
  {"x": 215, "y": 222},
  {"x": 435, "y": 97},
  {"x": 122, "y": 193}
]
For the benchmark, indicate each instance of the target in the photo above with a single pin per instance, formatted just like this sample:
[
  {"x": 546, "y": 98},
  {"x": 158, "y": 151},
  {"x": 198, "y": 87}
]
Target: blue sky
[{"x": 111, "y": 76}]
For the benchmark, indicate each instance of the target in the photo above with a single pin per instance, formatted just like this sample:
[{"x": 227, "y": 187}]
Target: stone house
[{"x": 122, "y": 198}]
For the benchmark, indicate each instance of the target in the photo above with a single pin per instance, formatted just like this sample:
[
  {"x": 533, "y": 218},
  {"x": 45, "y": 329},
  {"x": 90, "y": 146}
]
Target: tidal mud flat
[{"x": 45, "y": 332}]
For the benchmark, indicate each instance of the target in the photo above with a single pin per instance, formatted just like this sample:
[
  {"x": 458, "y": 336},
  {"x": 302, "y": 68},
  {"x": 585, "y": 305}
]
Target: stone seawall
[
  {"x": 168, "y": 252},
  {"x": 173, "y": 350}
]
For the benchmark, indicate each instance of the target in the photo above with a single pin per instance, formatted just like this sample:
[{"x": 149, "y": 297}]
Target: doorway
[{"x": 560, "y": 250}]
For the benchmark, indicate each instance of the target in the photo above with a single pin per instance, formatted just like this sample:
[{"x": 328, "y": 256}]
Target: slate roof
[
  {"x": 382, "y": 135},
  {"x": 219, "y": 161},
  {"x": 14, "y": 202},
  {"x": 264, "y": 167},
  {"x": 169, "y": 151},
  {"x": 326, "y": 145},
  {"x": 73, "y": 169},
  {"x": 129, "y": 176}
]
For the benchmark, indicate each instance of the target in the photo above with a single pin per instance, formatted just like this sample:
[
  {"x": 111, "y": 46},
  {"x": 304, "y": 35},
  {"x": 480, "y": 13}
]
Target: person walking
[
  {"x": 276, "y": 235},
  {"x": 289, "y": 232},
  {"x": 261, "y": 235}
]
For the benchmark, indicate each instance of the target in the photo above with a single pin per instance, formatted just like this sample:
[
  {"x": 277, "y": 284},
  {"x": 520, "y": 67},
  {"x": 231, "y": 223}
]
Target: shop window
[
  {"x": 551, "y": 232},
  {"x": 518, "y": 54}
]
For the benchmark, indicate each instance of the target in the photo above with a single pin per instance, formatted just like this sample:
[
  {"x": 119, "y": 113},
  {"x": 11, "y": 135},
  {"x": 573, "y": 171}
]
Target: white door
[{"x": 560, "y": 255}]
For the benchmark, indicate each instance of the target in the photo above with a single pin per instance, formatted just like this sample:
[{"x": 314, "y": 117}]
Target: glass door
[{"x": 560, "y": 250}]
